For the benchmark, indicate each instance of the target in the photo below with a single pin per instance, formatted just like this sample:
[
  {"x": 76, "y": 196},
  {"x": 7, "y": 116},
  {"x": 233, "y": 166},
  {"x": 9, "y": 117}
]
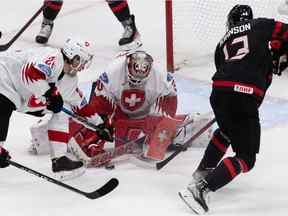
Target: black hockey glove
[
  {"x": 280, "y": 62},
  {"x": 54, "y": 100},
  {"x": 279, "y": 56},
  {"x": 105, "y": 132},
  {"x": 4, "y": 155}
]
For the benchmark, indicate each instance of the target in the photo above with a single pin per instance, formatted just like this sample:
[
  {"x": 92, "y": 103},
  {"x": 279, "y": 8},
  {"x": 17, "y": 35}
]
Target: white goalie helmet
[
  {"x": 79, "y": 51},
  {"x": 139, "y": 67}
]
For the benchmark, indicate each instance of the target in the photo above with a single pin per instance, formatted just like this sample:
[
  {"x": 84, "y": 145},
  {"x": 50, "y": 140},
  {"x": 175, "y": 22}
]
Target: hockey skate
[
  {"x": 64, "y": 168},
  {"x": 45, "y": 32},
  {"x": 200, "y": 174},
  {"x": 195, "y": 197},
  {"x": 131, "y": 38}
]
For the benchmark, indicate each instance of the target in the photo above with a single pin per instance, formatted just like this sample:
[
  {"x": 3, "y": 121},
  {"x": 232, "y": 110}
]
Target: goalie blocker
[{"x": 161, "y": 133}]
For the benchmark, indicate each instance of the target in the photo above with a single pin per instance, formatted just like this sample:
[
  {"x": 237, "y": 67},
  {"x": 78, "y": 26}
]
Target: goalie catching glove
[
  {"x": 105, "y": 132},
  {"x": 86, "y": 143}
]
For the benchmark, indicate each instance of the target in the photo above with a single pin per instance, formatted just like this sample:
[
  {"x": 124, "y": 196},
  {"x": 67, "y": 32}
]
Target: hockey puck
[
  {"x": 0, "y": 34},
  {"x": 109, "y": 166}
]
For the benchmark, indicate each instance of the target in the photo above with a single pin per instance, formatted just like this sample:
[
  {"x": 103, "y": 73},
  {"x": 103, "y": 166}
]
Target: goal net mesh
[{"x": 198, "y": 25}]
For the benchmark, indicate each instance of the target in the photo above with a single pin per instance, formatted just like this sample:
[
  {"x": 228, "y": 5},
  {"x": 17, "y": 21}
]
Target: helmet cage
[{"x": 139, "y": 67}]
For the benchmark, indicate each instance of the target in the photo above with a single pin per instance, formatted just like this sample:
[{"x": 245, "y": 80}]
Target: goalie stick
[
  {"x": 4, "y": 47},
  {"x": 162, "y": 163},
  {"x": 102, "y": 191},
  {"x": 130, "y": 147}
]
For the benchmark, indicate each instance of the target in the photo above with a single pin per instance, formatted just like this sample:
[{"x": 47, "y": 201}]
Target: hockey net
[{"x": 193, "y": 27}]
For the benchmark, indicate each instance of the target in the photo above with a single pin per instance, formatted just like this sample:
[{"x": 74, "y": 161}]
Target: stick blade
[{"x": 105, "y": 189}]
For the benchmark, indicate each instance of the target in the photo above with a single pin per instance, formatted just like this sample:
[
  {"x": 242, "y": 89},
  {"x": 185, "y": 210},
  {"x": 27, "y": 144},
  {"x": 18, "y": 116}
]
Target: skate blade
[
  {"x": 68, "y": 175},
  {"x": 191, "y": 202}
]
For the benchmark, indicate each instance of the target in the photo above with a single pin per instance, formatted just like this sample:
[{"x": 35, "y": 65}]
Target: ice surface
[{"x": 141, "y": 191}]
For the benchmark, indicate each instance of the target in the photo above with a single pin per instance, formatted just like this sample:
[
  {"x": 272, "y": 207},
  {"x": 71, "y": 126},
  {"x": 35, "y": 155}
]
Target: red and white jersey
[
  {"x": 71, "y": 94},
  {"x": 25, "y": 75},
  {"x": 156, "y": 97},
  {"x": 68, "y": 88}
]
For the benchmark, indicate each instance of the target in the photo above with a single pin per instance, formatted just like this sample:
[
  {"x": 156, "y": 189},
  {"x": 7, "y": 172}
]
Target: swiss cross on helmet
[
  {"x": 79, "y": 51},
  {"x": 239, "y": 13},
  {"x": 139, "y": 67}
]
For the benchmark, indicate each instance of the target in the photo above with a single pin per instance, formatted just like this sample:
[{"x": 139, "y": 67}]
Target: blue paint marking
[{"x": 193, "y": 96}]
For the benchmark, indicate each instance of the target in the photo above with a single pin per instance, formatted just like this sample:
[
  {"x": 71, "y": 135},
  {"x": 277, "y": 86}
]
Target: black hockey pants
[
  {"x": 6, "y": 109},
  {"x": 237, "y": 116}
]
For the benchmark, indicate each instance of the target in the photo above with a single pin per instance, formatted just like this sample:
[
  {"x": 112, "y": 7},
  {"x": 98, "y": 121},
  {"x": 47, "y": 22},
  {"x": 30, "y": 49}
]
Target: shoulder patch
[
  {"x": 104, "y": 77},
  {"x": 45, "y": 69}
]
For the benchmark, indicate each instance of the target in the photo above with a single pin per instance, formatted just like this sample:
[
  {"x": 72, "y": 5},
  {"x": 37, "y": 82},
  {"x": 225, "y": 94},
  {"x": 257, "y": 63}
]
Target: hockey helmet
[
  {"x": 78, "y": 53},
  {"x": 239, "y": 13},
  {"x": 139, "y": 67}
]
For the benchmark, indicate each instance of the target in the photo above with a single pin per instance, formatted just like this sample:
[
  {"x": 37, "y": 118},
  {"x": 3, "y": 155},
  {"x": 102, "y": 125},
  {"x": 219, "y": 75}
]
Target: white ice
[{"x": 141, "y": 191}]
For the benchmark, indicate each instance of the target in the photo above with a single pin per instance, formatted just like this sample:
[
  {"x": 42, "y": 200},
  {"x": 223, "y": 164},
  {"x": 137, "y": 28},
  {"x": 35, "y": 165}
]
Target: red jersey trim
[
  {"x": 231, "y": 84},
  {"x": 58, "y": 136}
]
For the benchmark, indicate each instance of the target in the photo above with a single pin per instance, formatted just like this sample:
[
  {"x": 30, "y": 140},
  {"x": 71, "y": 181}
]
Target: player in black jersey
[{"x": 244, "y": 69}]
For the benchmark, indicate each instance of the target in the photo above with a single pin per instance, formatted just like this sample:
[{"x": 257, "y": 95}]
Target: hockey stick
[
  {"x": 80, "y": 119},
  {"x": 104, "y": 132},
  {"x": 4, "y": 47},
  {"x": 128, "y": 148},
  {"x": 162, "y": 163},
  {"x": 102, "y": 191}
]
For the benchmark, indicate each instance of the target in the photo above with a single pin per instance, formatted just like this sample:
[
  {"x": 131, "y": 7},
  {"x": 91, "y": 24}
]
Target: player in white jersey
[
  {"x": 30, "y": 83},
  {"x": 141, "y": 99},
  {"x": 137, "y": 87}
]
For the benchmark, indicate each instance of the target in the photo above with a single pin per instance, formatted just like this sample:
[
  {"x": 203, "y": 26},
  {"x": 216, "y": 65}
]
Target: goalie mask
[
  {"x": 139, "y": 67},
  {"x": 239, "y": 13},
  {"x": 78, "y": 54}
]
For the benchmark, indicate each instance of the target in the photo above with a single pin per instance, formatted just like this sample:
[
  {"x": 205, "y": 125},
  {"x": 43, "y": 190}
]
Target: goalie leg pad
[{"x": 186, "y": 132}]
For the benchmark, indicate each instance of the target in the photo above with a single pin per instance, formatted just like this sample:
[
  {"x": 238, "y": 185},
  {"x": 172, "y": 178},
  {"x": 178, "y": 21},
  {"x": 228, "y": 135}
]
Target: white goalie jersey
[{"x": 140, "y": 101}]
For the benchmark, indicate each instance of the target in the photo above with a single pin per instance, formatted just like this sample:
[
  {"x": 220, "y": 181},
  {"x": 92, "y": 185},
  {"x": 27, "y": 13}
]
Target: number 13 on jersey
[{"x": 241, "y": 52}]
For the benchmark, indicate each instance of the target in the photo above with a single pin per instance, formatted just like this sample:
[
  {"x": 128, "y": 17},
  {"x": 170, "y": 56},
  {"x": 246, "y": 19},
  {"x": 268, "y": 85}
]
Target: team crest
[{"x": 132, "y": 99}]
